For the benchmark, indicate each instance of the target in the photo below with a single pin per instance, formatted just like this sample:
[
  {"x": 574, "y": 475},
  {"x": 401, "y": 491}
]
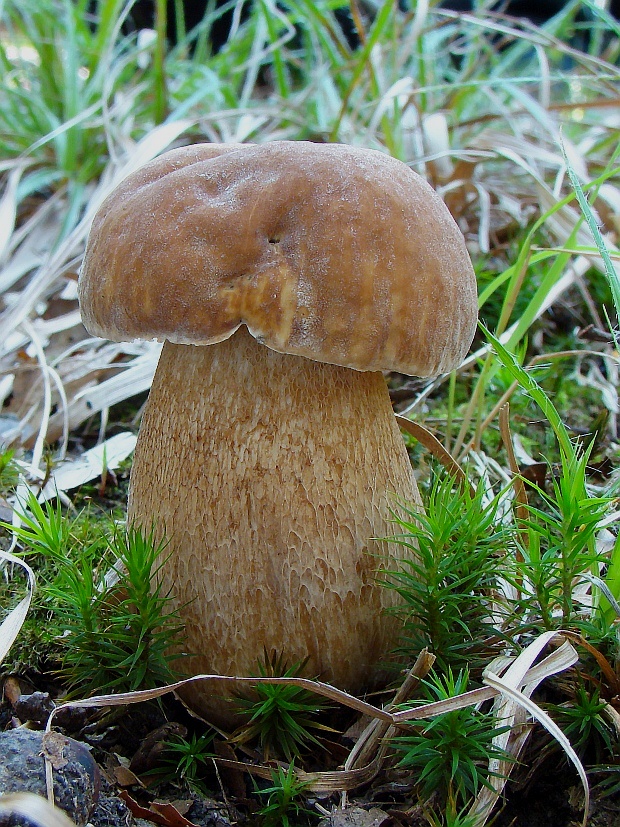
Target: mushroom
[{"x": 283, "y": 278}]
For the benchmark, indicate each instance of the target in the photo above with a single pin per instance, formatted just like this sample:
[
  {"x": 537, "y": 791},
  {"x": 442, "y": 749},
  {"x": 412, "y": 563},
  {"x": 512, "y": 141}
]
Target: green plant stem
[
  {"x": 364, "y": 62},
  {"x": 160, "y": 90},
  {"x": 612, "y": 581}
]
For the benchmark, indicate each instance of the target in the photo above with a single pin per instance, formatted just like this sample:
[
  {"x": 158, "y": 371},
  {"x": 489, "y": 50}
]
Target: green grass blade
[
  {"x": 610, "y": 271},
  {"x": 531, "y": 387}
]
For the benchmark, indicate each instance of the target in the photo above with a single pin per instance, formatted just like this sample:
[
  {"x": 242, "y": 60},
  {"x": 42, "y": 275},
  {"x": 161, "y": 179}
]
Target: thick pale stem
[{"x": 270, "y": 475}]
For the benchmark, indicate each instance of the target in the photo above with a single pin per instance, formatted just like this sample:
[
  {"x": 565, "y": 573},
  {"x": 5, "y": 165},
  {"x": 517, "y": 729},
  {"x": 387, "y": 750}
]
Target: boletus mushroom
[{"x": 283, "y": 278}]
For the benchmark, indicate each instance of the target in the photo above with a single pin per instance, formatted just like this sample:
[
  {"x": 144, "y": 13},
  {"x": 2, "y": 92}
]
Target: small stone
[
  {"x": 36, "y": 707},
  {"x": 22, "y": 769},
  {"x": 356, "y": 817}
]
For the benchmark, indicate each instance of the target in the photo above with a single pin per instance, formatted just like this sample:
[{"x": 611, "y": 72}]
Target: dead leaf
[
  {"x": 164, "y": 814},
  {"x": 126, "y": 778},
  {"x": 173, "y": 816},
  {"x": 12, "y": 690},
  {"x": 183, "y": 805},
  {"x": 233, "y": 777},
  {"x": 54, "y": 745},
  {"x": 139, "y": 811},
  {"x": 148, "y": 756}
]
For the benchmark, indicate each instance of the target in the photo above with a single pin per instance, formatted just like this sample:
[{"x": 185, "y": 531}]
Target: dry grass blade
[
  {"x": 606, "y": 668},
  {"x": 315, "y": 782},
  {"x": 520, "y": 675},
  {"x": 613, "y": 716},
  {"x": 35, "y": 809},
  {"x": 44, "y": 377},
  {"x": 511, "y": 708},
  {"x": 564, "y": 284},
  {"x": 12, "y": 623},
  {"x": 377, "y": 731},
  {"x": 536, "y": 712},
  {"x": 8, "y": 208},
  {"x": 58, "y": 261},
  {"x": 92, "y": 464},
  {"x": 367, "y": 756},
  {"x": 136, "y": 377},
  {"x": 318, "y": 687},
  {"x": 78, "y": 370},
  {"x": 432, "y": 444}
]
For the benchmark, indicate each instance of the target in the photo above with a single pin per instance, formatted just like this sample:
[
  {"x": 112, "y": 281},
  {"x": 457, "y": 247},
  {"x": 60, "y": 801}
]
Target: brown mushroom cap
[{"x": 335, "y": 253}]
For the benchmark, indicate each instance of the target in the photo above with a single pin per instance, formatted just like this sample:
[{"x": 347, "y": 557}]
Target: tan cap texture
[{"x": 335, "y": 253}]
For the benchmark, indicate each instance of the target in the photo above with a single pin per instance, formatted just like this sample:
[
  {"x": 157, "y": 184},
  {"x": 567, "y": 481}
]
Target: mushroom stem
[{"x": 270, "y": 475}]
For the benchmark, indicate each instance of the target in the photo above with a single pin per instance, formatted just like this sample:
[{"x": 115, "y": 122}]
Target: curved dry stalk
[
  {"x": 520, "y": 679},
  {"x": 12, "y": 623},
  {"x": 432, "y": 444},
  {"x": 512, "y": 706},
  {"x": 376, "y": 734}
]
